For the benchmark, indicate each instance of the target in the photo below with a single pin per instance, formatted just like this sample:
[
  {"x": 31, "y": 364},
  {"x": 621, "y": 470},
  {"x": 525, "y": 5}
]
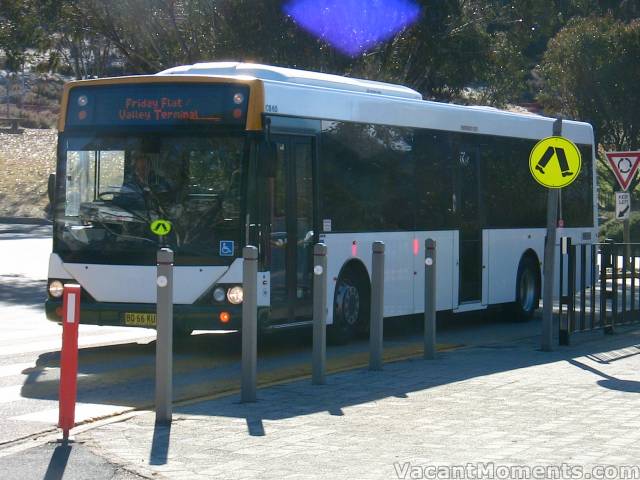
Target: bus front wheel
[{"x": 350, "y": 308}]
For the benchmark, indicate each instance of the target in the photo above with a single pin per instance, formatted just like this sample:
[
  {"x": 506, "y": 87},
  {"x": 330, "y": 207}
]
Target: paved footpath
[{"x": 474, "y": 412}]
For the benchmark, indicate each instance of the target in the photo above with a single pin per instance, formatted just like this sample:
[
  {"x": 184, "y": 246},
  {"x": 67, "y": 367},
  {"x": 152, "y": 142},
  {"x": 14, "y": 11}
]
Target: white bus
[{"x": 235, "y": 154}]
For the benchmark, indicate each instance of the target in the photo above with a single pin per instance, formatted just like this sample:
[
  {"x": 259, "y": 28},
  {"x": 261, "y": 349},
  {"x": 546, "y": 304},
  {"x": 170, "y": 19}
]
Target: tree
[
  {"x": 590, "y": 72},
  {"x": 19, "y": 31}
]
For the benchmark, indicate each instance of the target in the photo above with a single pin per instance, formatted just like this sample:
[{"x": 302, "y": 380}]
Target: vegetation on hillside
[{"x": 575, "y": 58}]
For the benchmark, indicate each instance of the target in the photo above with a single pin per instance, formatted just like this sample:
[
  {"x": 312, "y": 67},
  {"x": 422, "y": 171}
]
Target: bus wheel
[
  {"x": 527, "y": 289},
  {"x": 350, "y": 309}
]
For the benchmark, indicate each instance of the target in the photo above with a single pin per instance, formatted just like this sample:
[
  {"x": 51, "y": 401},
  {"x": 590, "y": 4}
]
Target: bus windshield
[{"x": 115, "y": 187}]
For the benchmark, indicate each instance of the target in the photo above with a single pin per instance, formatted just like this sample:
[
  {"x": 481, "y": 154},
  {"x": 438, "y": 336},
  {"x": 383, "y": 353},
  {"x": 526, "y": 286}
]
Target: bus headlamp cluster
[
  {"x": 56, "y": 289},
  {"x": 219, "y": 294},
  {"x": 234, "y": 295}
]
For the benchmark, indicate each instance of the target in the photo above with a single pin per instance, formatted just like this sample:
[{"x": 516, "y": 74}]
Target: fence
[{"x": 598, "y": 287}]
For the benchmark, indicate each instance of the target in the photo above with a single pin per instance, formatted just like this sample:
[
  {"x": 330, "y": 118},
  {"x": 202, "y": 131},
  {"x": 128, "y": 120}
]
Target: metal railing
[{"x": 598, "y": 287}]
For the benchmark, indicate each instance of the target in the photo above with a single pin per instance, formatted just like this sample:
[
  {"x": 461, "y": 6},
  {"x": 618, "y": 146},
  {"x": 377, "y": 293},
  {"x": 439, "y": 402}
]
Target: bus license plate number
[{"x": 140, "y": 319}]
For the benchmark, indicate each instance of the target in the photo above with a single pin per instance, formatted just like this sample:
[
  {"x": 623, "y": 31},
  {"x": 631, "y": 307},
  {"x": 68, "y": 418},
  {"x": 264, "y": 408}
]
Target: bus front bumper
[{"x": 185, "y": 317}]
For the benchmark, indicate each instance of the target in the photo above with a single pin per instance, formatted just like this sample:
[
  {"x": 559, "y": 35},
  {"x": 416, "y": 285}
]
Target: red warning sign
[{"x": 624, "y": 166}]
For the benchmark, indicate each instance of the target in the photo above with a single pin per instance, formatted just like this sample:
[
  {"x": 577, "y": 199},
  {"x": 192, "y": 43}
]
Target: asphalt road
[
  {"x": 29, "y": 344},
  {"x": 117, "y": 365}
]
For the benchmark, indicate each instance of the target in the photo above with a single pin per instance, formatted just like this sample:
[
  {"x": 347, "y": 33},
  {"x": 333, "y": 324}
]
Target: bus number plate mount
[{"x": 134, "y": 319}]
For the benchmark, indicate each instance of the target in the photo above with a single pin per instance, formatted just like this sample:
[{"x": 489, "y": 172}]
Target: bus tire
[
  {"x": 527, "y": 289},
  {"x": 351, "y": 305}
]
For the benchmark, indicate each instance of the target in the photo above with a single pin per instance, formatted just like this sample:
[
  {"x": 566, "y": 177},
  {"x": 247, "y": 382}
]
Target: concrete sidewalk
[{"x": 480, "y": 409}]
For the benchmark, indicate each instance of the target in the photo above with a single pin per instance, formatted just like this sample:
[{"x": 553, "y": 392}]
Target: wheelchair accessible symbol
[
  {"x": 226, "y": 248},
  {"x": 564, "y": 168}
]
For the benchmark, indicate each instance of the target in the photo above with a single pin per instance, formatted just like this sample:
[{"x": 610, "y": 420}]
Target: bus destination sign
[{"x": 157, "y": 104}]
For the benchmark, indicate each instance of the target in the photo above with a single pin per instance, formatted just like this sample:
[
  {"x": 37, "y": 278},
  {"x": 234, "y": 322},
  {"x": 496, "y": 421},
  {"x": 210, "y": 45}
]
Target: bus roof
[
  {"x": 293, "y": 76},
  {"x": 316, "y": 95},
  {"x": 321, "y": 96}
]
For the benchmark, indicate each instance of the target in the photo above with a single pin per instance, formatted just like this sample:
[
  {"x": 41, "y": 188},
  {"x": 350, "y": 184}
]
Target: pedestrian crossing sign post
[
  {"x": 623, "y": 205},
  {"x": 555, "y": 162}
]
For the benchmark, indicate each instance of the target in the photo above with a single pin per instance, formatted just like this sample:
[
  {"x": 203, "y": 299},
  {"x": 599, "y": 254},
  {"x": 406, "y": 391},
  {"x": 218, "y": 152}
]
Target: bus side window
[{"x": 435, "y": 197}]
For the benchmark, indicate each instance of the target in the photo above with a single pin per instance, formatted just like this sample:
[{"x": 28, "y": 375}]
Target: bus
[{"x": 235, "y": 154}]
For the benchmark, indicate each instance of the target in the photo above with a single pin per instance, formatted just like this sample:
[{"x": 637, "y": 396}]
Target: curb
[{"x": 25, "y": 221}]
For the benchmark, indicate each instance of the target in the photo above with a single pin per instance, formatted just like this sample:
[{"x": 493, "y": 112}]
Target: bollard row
[{"x": 376, "y": 339}]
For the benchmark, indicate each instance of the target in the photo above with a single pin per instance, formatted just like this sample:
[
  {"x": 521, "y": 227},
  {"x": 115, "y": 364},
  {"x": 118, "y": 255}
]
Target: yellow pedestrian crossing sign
[
  {"x": 555, "y": 162},
  {"x": 161, "y": 227}
]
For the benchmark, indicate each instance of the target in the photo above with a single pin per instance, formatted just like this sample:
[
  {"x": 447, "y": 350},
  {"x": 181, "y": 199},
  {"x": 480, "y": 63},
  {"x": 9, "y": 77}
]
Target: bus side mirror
[
  {"x": 51, "y": 188},
  {"x": 267, "y": 160}
]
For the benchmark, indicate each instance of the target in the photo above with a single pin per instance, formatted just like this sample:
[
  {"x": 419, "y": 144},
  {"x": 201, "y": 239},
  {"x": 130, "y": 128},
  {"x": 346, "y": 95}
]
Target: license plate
[{"x": 140, "y": 319}]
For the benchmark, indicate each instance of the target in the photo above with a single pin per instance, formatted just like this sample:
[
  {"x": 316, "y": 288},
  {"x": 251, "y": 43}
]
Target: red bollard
[{"x": 69, "y": 358}]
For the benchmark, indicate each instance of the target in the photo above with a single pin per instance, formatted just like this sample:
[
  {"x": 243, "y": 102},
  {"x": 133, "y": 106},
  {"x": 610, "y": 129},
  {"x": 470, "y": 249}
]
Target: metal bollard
[
  {"x": 249, "y": 323},
  {"x": 563, "y": 320},
  {"x": 69, "y": 359},
  {"x": 377, "y": 306},
  {"x": 429, "y": 299},
  {"x": 164, "y": 336},
  {"x": 319, "y": 313}
]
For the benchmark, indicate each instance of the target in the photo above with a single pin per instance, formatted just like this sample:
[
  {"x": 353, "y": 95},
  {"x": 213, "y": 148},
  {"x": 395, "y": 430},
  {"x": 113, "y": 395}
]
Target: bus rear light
[
  {"x": 82, "y": 114},
  {"x": 225, "y": 317},
  {"x": 238, "y": 98},
  {"x": 354, "y": 249},
  {"x": 416, "y": 247},
  {"x": 237, "y": 113}
]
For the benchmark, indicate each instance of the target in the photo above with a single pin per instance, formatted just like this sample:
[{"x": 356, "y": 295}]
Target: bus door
[
  {"x": 468, "y": 213},
  {"x": 292, "y": 235}
]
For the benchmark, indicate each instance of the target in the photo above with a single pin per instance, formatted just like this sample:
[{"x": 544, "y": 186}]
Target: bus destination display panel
[{"x": 150, "y": 105}]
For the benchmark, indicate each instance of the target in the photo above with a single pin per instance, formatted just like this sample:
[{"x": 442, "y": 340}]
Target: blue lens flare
[{"x": 353, "y": 26}]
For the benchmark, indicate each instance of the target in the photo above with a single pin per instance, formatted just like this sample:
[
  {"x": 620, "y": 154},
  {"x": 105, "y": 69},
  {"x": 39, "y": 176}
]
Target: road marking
[
  {"x": 84, "y": 342},
  {"x": 84, "y": 412},
  {"x": 11, "y": 394},
  {"x": 15, "y": 369}
]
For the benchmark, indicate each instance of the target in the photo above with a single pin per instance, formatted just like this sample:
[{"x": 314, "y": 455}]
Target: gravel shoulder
[{"x": 26, "y": 161}]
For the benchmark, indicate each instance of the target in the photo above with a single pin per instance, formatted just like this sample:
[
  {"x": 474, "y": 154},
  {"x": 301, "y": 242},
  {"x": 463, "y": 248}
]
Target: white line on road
[
  {"x": 10, "y": 394},
  {"x": 15, "y": 369},
  {"x": 84, "y": 412},
  {"x": 94, "y": 341}
]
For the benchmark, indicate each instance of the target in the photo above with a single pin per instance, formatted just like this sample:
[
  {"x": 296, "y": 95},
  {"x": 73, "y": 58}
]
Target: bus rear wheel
[
  {"x": 350, "y": 308},
  {"x": 527, "y": 289}
]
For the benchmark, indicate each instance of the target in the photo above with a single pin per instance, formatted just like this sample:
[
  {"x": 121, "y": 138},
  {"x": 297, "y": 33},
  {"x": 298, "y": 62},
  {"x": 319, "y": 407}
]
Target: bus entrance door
[{"x": 292, "y": 236}]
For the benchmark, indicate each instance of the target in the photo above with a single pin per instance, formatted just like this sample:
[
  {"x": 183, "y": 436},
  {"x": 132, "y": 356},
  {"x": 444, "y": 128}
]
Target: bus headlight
[
  {"x": 235, "y": 294},
  {"x": 56, "y": 289},
  {"x": 219, "y": 294}
]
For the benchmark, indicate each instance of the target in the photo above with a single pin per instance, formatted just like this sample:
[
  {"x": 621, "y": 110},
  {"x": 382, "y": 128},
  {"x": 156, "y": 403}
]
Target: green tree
[
  {"x": 590, "y": 72},
  {"x": 20, "y": 31}
]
